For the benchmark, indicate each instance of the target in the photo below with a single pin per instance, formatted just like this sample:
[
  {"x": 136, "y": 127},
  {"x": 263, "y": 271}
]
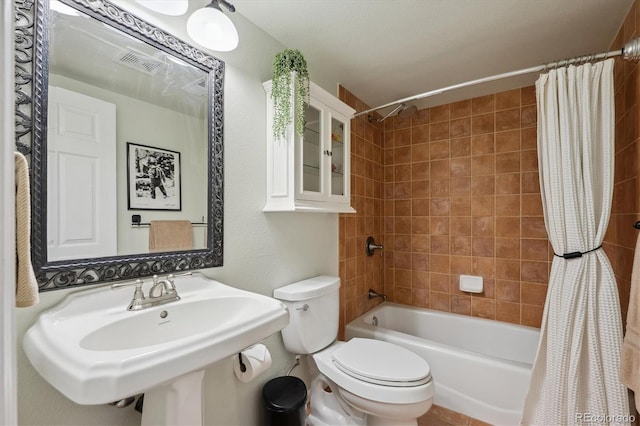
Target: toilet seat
[
  {"x": 373, "y": 388},
  {"x": 381, "y": 363}
]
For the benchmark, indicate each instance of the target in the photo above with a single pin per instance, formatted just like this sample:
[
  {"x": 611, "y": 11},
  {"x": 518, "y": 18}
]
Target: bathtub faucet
[
  {"x": 373, "y": 294},
  {"x": 371, "y": 246}
]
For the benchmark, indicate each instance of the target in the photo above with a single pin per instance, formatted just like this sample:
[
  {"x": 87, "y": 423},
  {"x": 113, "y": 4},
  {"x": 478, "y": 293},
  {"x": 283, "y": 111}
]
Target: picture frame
[{"x": 153, "y": 178}]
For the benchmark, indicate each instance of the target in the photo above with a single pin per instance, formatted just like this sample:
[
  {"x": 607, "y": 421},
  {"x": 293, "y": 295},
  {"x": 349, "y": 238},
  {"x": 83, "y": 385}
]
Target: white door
[{"x": 81, "y": 191}]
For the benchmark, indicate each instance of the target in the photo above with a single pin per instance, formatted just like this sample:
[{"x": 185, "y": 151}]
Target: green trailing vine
[{"x": 284, "y": 63}]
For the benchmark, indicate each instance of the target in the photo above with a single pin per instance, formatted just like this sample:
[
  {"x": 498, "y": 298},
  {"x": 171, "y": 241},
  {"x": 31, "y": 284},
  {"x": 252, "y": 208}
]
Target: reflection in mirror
[
  {"x": 132, "y": 129},
  {"x": 109, "y": 91}
]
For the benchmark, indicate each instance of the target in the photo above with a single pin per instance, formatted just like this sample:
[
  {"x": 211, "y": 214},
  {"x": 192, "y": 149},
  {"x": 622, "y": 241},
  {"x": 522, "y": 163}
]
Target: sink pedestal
[{"x": 176, "y": 403}]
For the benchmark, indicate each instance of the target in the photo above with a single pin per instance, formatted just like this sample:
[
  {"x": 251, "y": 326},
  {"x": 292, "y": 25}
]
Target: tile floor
[{"x": 438, "y": 416}]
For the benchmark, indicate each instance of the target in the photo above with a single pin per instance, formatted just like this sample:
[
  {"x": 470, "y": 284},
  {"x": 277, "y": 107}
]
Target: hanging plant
[{"x": 284, "y": 64}]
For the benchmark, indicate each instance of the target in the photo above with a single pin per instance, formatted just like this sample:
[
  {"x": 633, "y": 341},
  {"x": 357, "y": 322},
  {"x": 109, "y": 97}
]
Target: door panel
[{"x": 81, "y": 193}]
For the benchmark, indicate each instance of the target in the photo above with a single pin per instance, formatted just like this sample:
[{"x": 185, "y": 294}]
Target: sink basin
[
  {"x": 182, "y": 320},
  {"x": 95, "y": 351}
]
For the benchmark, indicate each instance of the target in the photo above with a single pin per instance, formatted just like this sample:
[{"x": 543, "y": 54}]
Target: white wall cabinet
[{"x": 312, "y": 172}]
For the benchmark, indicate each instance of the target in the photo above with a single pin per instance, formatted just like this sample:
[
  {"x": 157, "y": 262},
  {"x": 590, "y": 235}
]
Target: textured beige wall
[{"x": 261, "y": 251}]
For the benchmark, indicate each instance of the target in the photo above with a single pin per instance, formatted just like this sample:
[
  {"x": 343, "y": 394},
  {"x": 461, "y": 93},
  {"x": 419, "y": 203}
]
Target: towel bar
[
  {"x": 140, "y": 224},
  {"x": 135, "y": 221}
]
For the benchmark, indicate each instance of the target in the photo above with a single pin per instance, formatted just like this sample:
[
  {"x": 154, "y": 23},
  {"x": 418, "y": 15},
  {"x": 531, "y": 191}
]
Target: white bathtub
[{"x": 480, "y": 367}]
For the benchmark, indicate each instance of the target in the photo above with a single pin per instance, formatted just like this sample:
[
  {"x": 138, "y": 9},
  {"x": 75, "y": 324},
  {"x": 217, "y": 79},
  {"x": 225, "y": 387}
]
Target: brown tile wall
[
  {"x": 454, "y": 190},
  {"x": 621, "y": 237},
  {"x": 461, "y": 196},
  {"x": 359, "y": 272}
]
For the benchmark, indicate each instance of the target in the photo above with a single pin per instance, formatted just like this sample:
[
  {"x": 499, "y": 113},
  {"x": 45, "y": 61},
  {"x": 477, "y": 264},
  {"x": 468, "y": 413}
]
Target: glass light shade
[
  {"x": 211, "y": 28},
  {"x": 166, "y": 7}
]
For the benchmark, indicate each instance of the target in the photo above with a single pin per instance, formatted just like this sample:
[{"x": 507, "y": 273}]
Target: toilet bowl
[
  {"x": 359, "y": 382},
  {"x": 389, "y": 383}
]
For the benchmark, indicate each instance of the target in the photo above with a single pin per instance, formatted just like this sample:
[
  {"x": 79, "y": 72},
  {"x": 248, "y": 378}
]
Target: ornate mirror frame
[{"x": 31, "y": 84}]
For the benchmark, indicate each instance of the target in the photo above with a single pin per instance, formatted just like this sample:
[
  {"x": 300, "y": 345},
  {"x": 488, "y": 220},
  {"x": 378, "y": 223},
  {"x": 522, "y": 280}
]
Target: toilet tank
[{"x": 313, "y": 313}]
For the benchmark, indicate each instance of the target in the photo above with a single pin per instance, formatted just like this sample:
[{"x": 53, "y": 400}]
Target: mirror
[{"x": 126, "y": 129}]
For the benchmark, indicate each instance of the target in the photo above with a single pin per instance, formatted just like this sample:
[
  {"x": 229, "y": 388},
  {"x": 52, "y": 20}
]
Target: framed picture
[{"x": 153, "y": 178}]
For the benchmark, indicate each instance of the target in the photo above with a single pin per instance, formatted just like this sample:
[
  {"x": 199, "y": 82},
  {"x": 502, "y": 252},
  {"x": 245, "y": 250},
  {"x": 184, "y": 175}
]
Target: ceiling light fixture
[
  {"x": 213, "y": 29},
  {"x": 166, "y": 7}
]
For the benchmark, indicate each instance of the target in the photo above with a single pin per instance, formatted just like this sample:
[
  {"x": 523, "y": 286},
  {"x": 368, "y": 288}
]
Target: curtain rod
[{"x": 630, "y": 51}]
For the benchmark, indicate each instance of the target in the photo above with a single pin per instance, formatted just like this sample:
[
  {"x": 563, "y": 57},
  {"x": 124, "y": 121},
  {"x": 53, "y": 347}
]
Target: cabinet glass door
[
  {"x": 337, "y": 157},
  {"x": 312, "y": 151}
]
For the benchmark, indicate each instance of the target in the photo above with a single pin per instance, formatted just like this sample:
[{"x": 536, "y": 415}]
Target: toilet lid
[{"x": 379, "y": 362}]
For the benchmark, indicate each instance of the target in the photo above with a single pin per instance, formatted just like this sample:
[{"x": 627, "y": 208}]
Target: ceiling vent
[
  {"x": 198, "y": 87},
  {"x": 139, "y": 61}
]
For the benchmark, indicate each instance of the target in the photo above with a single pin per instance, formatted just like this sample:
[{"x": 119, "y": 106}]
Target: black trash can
[{"x": 283, "y": 402}]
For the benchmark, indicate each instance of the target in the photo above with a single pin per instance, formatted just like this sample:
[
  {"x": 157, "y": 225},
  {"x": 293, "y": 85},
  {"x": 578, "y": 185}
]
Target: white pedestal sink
[{"x": 95, "y": 351}]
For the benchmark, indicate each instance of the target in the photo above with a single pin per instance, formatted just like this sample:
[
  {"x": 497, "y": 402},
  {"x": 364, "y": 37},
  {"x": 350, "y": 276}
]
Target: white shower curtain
[{"x": 575, "y": 377}]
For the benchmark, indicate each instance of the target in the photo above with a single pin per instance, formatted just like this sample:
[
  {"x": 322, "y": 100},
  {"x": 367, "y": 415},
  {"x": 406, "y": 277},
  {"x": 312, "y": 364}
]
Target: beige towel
[
  {"x": 26, "y": 284},
  {"x": 170, "y": 235},
  {"x": 630, "y": 364}
]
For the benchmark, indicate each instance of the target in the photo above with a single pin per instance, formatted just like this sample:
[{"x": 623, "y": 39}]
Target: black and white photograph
[{"x": 153, "y": 178}]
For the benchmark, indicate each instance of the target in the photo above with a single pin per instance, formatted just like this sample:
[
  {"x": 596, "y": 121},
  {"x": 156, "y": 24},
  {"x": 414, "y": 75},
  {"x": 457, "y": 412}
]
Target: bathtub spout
[{"x": 373, "y": 294}]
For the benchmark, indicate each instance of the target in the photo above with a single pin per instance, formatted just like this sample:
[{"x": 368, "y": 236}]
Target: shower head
[
  {"x": 407, "y": 111},
  {"x": 403, "y": 110}
]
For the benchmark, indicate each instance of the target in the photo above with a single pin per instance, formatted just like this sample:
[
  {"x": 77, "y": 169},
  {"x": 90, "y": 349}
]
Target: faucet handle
[
  {"x": 138, "y": 294},
  {"x": 171, "y": 277},
  {"x": 371, "y": 247},
  {"x": 184, "y": 274},
  {"x": 138, "y": 283}
]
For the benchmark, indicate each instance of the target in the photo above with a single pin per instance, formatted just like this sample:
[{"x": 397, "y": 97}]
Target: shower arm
[{"x": 389, "y": 114}]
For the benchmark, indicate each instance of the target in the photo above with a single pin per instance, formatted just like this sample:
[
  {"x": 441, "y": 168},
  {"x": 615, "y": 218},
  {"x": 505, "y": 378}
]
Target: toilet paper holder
[
  {"x": 243, "y": 367},
  {"x": 251, "y": 362}
]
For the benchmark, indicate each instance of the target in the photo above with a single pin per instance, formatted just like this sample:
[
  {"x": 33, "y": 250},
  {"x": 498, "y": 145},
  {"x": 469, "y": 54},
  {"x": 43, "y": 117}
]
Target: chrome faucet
[
  {"x": 371, "y": 246},
  {"x": 162, "y": 291},
  {"x": 163, "y": 287},
  {"x": 373, "y": 294}
]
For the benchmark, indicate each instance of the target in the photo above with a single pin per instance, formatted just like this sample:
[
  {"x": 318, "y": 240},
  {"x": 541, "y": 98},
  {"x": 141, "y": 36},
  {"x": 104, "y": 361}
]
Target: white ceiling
[{"x": 385, "y": 50}]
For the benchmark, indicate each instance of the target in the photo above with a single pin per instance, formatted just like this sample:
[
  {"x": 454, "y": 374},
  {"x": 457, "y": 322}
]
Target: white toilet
[{"x": 359, "y": 382}]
